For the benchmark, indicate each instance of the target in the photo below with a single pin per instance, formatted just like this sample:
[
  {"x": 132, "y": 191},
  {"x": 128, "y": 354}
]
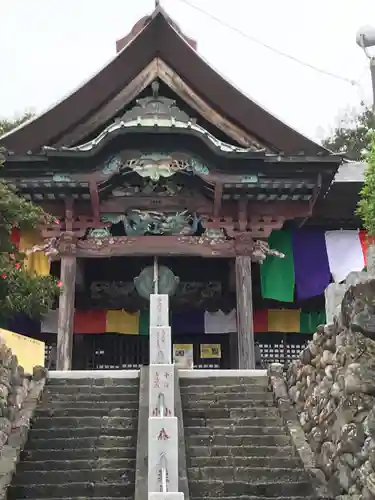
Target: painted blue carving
[
  {"x": 62, "y": 178},
  {"x": 198, "y": 167},
  {"x": 112, "y": 165},
  {"x": 249, "y": 179}
]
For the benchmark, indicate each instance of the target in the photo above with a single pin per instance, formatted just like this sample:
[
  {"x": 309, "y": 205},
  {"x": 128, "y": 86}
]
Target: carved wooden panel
[{"x": 156, "y": 245}]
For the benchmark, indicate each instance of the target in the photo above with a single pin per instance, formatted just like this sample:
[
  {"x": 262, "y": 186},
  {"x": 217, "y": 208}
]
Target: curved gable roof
[{"x": 158, "y": 39}]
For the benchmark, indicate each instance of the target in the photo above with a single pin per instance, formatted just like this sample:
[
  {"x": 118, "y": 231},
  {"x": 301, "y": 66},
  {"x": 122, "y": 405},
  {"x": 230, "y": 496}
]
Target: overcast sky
[{"x": 49, "y": 47}]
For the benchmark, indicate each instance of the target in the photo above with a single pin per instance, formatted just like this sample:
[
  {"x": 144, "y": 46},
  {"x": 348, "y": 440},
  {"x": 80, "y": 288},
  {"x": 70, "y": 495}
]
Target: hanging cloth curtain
[
  {"x": 284, "y": 320},
  {"x": 311, "y": 320},
  {"x": 120, "y": 321},
  {"x": 344, "y": 252},
  {"x": 277, "y": 275},
  {"x": 36, "y": 262},
  {"x": 90, "y": 321},
  {"x": 144, "y": 323},
  {"x": 311, "y": 266}
]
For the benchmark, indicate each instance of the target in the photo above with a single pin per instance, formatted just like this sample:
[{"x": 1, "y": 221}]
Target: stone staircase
[
  {"x": 236, "y": 444},
  {"x": 82, "y": 443}
]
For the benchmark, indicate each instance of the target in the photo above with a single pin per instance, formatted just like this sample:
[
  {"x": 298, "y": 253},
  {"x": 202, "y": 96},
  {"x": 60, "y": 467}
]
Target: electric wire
[{"x": 269, "y": 47}]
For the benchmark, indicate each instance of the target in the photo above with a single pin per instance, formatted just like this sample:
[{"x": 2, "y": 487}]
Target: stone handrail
[{"x": 20, "y": 394}]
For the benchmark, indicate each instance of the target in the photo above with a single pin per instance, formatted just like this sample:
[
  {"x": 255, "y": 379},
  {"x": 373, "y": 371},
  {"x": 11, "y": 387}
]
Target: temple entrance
[{"x": 111, "y": 328}]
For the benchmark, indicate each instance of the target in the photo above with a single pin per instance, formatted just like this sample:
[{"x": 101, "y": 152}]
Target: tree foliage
[
  {"x": 366, "y": 206},
  {"x": 351, "y": 136},
  {"x": 7, "y": 125},
  {"x": 21, "y": 291}
]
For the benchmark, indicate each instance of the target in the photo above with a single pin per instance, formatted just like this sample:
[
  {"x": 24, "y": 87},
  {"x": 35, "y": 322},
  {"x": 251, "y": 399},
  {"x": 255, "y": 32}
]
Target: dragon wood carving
[{"x": 140, "y": 223}]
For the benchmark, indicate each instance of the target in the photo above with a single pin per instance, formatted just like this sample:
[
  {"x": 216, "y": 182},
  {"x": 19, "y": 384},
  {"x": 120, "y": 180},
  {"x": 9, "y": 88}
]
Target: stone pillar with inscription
[
  {"x": 162, "y": 422},
  {"x": 67, "y": 249},
  {"x": 245, "y": 326}
]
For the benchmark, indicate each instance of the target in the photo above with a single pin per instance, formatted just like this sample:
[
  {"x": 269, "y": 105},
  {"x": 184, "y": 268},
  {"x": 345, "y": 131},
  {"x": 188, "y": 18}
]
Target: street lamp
[{"x": 366, "y": 39}]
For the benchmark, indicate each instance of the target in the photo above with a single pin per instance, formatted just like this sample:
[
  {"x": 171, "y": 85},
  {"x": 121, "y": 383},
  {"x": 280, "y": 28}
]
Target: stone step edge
[
  {"x": 251, "y": 483},
  {"x": 69, "y": 429},
  {"x": 256, "y": 469},
  {"x": 74, "y": 484},
  {"x": 248, "y": 497},
  {"x": 92, "y": 449},
  {"x": 105, "y": 469}
]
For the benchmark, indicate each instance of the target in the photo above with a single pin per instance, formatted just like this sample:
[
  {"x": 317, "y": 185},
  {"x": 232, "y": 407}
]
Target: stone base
[
  {"x": 166, "y": 496},
  {"x": 162, "y": 450}
]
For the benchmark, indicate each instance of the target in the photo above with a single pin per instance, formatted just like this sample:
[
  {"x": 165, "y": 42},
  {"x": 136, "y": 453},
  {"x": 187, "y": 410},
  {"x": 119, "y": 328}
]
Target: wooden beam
[
  {"x": 242, "y": 214},
  {"x": 111, "y": 109},
  {"x": 245, "y": 327},
  {"x": 187, "y": 94},
  {"x": 95, "y": 202},
  {"x": 197, "y": 203},
  {"x": 156, "y": 245},
  {"x": 218, "y": 199},
  {"x": 69, "y": 214},
  {"x": 158, "y": 69}
]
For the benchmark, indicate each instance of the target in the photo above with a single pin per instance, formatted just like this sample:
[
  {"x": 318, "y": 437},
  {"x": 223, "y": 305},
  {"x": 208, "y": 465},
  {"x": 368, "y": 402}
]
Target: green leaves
[
  {"x": 366, "y": 206},
  {"x": 21, "y": 291},
  {"x": 7, "y": 125},
  {"x": 351, "y": 136}
]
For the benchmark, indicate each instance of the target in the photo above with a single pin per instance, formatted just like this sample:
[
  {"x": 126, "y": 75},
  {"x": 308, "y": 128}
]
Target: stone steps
[
  {"x": 227, "y": 422},
  {"x": 72, "y": 465},
  {"x": 236, "y": 443},
  {"x": 35, "y": 443},
  {"x": 82, "y": 443},
  {"x": 246, "y": 473},
  {"x": 83, "y": 432},
  {"x": 92, "y": 422},
  {"x": 93, "y": 498},
  {"x": 233, "y": 412},
  {"x": 238, "y": 440},
  {"x": 241, "y": 451},
  {"x": 219, "y": 489},
  {"x": 247, "y": 497},
  {"x": 246, "y": 430},
  {"x": 254, "y": 462},
  {"x": 229, "y": 382},
  {"x": 80, "y": 489},
  {"x": 229, "y": 396},
  {"x": 79, "y": 454},
  {"x": 78, "y": 383},
  {"x": 111, "y": 410},
  {"x": 79, "y": 403},
  {"x": 243, "y": 403},
  {"x": 229, "y": 391},
  {"x": 93, "y": 388},
  {"x": 58, "y": 477}
]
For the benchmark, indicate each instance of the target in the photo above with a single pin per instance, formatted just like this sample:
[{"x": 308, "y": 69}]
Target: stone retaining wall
[
  {"x": 19, "y": 395},
  {"x": 332, "y": 386}
]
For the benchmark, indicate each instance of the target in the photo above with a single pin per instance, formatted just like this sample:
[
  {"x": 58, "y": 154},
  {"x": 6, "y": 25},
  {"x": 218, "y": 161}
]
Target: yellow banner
[
  {"x": 29, "y": 352},
  {"x": 210, "y": 351}
]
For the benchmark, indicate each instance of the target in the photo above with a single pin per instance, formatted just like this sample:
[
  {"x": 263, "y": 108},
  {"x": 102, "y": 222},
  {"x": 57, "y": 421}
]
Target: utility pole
[{"x": 365, "y": 40}]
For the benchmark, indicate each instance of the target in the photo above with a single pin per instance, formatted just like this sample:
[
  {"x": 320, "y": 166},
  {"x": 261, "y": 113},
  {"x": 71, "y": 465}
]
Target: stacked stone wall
[
  {"x": 19, "y": 395},
  {"x": 332, "y": 386}
]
